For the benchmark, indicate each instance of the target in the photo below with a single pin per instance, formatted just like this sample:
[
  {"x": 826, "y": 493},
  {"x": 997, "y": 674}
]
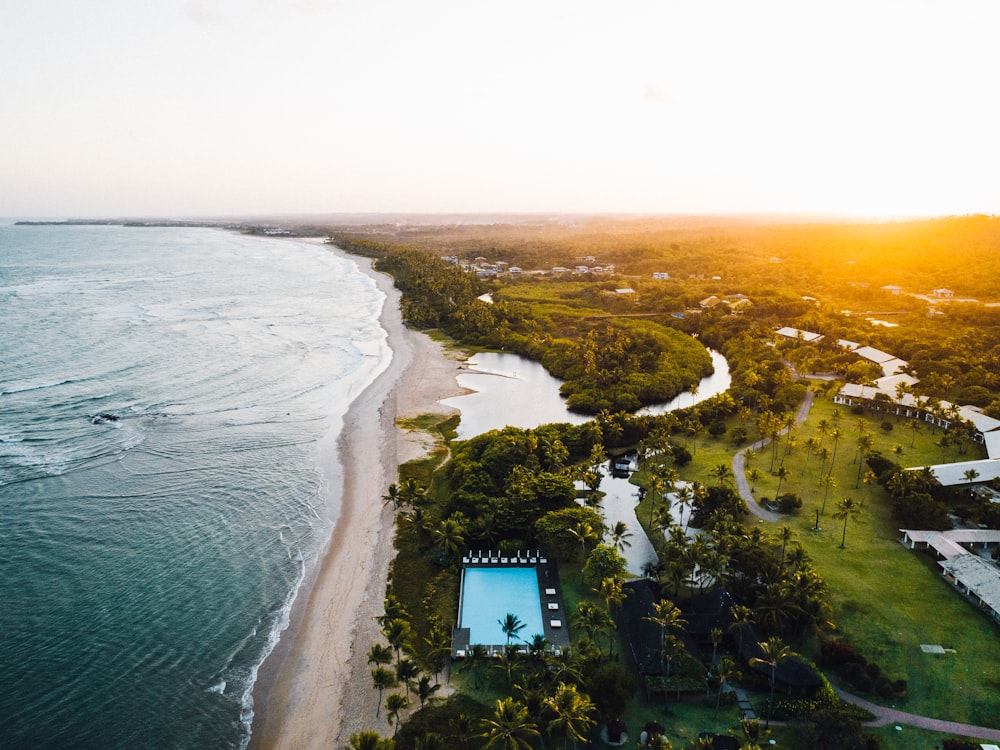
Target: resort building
[
  {"x": 799, "y": 335},
  {"x": 964, "y": 556}
]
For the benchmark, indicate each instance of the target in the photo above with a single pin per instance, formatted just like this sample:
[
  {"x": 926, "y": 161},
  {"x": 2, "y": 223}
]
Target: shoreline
[{"x": 302, "y": 697}]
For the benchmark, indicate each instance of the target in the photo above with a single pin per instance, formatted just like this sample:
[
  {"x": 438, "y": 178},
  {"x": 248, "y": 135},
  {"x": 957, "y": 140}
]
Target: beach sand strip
[{"x": 316, "y": 689}]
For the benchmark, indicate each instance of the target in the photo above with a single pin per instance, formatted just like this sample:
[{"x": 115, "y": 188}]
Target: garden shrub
[{"x": 789, "y": 502}]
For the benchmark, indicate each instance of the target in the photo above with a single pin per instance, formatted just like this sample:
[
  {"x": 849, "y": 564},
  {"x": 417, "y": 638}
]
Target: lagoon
[{"x": 510, "y": 390}]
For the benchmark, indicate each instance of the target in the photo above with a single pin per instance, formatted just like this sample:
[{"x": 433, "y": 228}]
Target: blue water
[
  {"x": 148, "y": 557},
  {"x": 489, "y": 594}
]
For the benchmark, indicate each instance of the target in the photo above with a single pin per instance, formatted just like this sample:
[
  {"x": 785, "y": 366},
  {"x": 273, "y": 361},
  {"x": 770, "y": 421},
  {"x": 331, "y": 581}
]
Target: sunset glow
[{"x": 294, "y": 106}]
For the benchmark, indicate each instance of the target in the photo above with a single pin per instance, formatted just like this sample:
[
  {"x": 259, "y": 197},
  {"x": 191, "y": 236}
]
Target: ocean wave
[{"x": 28, "y": 387}]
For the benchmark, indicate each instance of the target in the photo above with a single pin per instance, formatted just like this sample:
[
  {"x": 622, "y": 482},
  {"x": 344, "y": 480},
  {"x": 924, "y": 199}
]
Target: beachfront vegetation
[{"x": 830, "y": 581}]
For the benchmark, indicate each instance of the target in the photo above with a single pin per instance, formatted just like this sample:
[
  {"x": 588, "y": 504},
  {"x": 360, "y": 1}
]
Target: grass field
[{"x": 887, "y": 600}]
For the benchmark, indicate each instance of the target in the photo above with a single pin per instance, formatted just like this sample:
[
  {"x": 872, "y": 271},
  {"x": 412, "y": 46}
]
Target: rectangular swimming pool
[{"x": 489, "y": 594}]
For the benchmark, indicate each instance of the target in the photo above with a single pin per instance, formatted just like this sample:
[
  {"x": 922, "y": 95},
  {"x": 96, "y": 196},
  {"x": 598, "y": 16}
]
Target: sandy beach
[{"x": 315, "y": 688}]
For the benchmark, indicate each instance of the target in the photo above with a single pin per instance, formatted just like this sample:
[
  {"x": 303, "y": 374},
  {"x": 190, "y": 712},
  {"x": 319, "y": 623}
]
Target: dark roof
[
  {"x": 707, "y": 612},
  {"x": 793, "y": 671},
  {"x": 641, "y": 635}
]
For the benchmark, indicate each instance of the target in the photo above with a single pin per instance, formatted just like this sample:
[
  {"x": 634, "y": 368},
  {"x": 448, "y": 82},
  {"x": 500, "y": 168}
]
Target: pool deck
[{"x": 555, "y": 619}]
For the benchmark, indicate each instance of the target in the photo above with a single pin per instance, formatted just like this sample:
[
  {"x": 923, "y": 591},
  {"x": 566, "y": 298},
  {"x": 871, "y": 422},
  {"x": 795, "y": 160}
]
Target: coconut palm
[
  {"x": 742, "y": 615},
  {"x": 584, "y": 533},
  {"x": 449, "y": 536},
  {"x": 411, "y": 492},
  {"x": 772, "y": 653},
  {"x": 509, "y": 728},
  {"x": 379, "y": 654},
  {"x": 619, "y": 536},
  {"x": 782, "y": 474},
  {"x": 829, "y": 482},
  {"x": 573, "y": 712},
  {"x": 392, "y": 496},
  {"x": 406, "y": 670},
  {"x": 785, "y": 535},
  {"x": 725, "y": 671},
  {"x": 723, "y": 473},
  {"x": 475, "y": 657},
  {"x": 382, "y": 679},
  {"x": 511, "y": 626},
  {"x": 394, "y": 704},
  {"x": 754, "y": 475},
  {"x": 846, "y": 509},
  {"x": 424, "y": 689},
  {"x": 667, "y": 615},
  {"x": 397, "y": 632},
  {"x": 368, "y": 740}
]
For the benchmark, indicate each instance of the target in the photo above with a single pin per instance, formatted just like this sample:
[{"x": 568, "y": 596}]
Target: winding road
[{"x": 739, "y": 466}]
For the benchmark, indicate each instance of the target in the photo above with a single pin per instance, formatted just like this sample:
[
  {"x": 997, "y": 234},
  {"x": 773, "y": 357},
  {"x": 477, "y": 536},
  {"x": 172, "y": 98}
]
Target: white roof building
[
  {"x": 972, "y": 574},
  {"x": 795, "y": 333},
  {"x": 951, "y": 475}
]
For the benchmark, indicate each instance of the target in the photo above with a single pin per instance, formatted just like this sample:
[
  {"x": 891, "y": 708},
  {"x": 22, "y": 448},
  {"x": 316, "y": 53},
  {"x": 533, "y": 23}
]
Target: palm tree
[
  {"x": 772, "y": 653},
  {"x": 573, "y": 713},
  {"x": 723, "y": 473},
  {"x": 449, "y": 536},
  {"x": 379, "y": 654},
  {"x": 510, "y": 728},
  {"x": 593, "y": 620},
  {"x": 782, "y": 474},
  {"x": 971, "y": 475},
  {"x": 382, "y": 679},
  {"x": 368, "y": 740},
  {"x": 742, "y": 615},
  {"x": 846, "y": 509},
  {"x": 475, "y": 657},
  {"x": 392, "y": 496},
  {"x": 425, "y": 690},
  {"x": 785, "y": 535},
  {"x": 835, "y": 435},
  {"x": 754, "y": 475},
  {"x": 511, "y": 626},
  {"x": 406, "y": 670},
  {"x": 685, "y": 498},
  {"x": 667, "y": 615},
  {"x": 612, "y": 592},
  {"x": 726, "y": 670},
  {"x": 397, "y": 632},
  {"x": 411, "y": 492},
  {"x": 619, "y": 536},
  {"x": 584, "y": 532},
  {"x": 395, "y": 703},
  {"x": 829, "y": 482},
  {"x": 866, "y": 443}
]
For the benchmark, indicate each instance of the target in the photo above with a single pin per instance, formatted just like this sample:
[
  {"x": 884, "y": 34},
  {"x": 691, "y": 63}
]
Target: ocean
[{"x": 170, "y": 401}]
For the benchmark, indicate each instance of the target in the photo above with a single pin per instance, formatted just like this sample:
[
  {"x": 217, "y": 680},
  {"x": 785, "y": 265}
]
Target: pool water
[{"x": 489, "y": 594}]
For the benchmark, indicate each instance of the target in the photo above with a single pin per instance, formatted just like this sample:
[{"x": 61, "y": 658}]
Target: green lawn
[{"x": 887, "y": 599}]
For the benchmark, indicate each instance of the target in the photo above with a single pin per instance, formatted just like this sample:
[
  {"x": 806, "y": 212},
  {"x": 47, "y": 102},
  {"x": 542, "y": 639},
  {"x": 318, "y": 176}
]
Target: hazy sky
[{"x": 206, "y": 107}]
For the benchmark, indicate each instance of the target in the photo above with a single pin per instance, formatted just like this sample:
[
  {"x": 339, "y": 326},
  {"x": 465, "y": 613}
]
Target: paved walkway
[
  {"x": 739, "y": 466},
  {"x": 885, "y": 716}
]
